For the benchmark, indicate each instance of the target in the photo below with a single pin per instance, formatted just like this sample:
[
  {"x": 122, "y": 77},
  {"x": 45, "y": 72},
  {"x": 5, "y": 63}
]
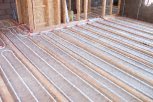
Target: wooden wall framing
[{"x": 38, "y": 14}]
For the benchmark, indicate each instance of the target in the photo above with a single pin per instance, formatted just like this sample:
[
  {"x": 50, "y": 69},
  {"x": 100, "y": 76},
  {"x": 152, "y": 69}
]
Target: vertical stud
[
  {"x": 85, "y": 9},
  {"x": 111, "y": 7},
  {"x": 78, "y": 9},
  {"x": 103, "y": 8},
  {"x": 57, "y": 13},
  {"x": 119, "y": 6}
]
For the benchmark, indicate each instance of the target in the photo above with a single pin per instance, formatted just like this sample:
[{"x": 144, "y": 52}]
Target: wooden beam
[
  {"x": 48, "y": 13},
  {"x": 57, "y": 13},
  {"x": 19, "y": 13},
  {"x": 89, "y": 5},
  {"x": 85, "y": 9},
  {"x": 103, "y": 8},
  {"x": 64, "y": 11},
  {"x": 119, "y": 6},
  {"x": 70, "y": 2},
  {"x": 81, "y": 5},
  {"x": 78, "y": 9},
  {"x": 111, "y": 7},
  {"x": 30, "y": 15}
]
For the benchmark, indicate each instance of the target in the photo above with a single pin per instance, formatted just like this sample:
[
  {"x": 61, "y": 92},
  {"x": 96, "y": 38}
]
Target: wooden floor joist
[{"x": 99, "y": 59}]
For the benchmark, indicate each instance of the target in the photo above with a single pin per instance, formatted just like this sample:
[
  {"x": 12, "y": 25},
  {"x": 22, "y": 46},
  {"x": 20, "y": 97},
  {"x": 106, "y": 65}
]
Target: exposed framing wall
[
  {"x": 38, "y": 14},
  {"x": 42, "y": 14}
]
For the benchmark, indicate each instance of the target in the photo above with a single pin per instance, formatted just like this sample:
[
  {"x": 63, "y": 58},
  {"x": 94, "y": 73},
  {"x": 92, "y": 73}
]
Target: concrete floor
[{"x": 103, "y": 60}]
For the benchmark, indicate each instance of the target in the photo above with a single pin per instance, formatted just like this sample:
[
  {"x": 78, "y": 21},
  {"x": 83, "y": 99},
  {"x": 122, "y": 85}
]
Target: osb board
[
  {"x": 39, "y": 11},
  {"x": 36, "y": 13},
  {"x": 42, "y": 11}
]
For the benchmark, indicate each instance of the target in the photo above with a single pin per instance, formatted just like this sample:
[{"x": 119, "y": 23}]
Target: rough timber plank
[
  {"x": 111, "y": 7},
  {"x": 78, "y": 3},
  {"x": 119, "y": 6},
  {"x": 85, "y": 9},
  {"x": 31, "y": 22},
  {"x": 64, "y": 6}
]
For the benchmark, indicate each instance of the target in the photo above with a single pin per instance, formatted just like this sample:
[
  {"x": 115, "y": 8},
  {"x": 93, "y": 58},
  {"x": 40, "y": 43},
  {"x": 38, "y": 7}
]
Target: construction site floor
[{"x": 102, "y": 60}]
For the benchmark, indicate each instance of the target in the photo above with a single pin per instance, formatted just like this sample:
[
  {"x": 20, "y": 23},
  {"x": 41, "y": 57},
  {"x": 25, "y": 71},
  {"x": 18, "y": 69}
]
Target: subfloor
[{"x": 103, "y": 60}]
